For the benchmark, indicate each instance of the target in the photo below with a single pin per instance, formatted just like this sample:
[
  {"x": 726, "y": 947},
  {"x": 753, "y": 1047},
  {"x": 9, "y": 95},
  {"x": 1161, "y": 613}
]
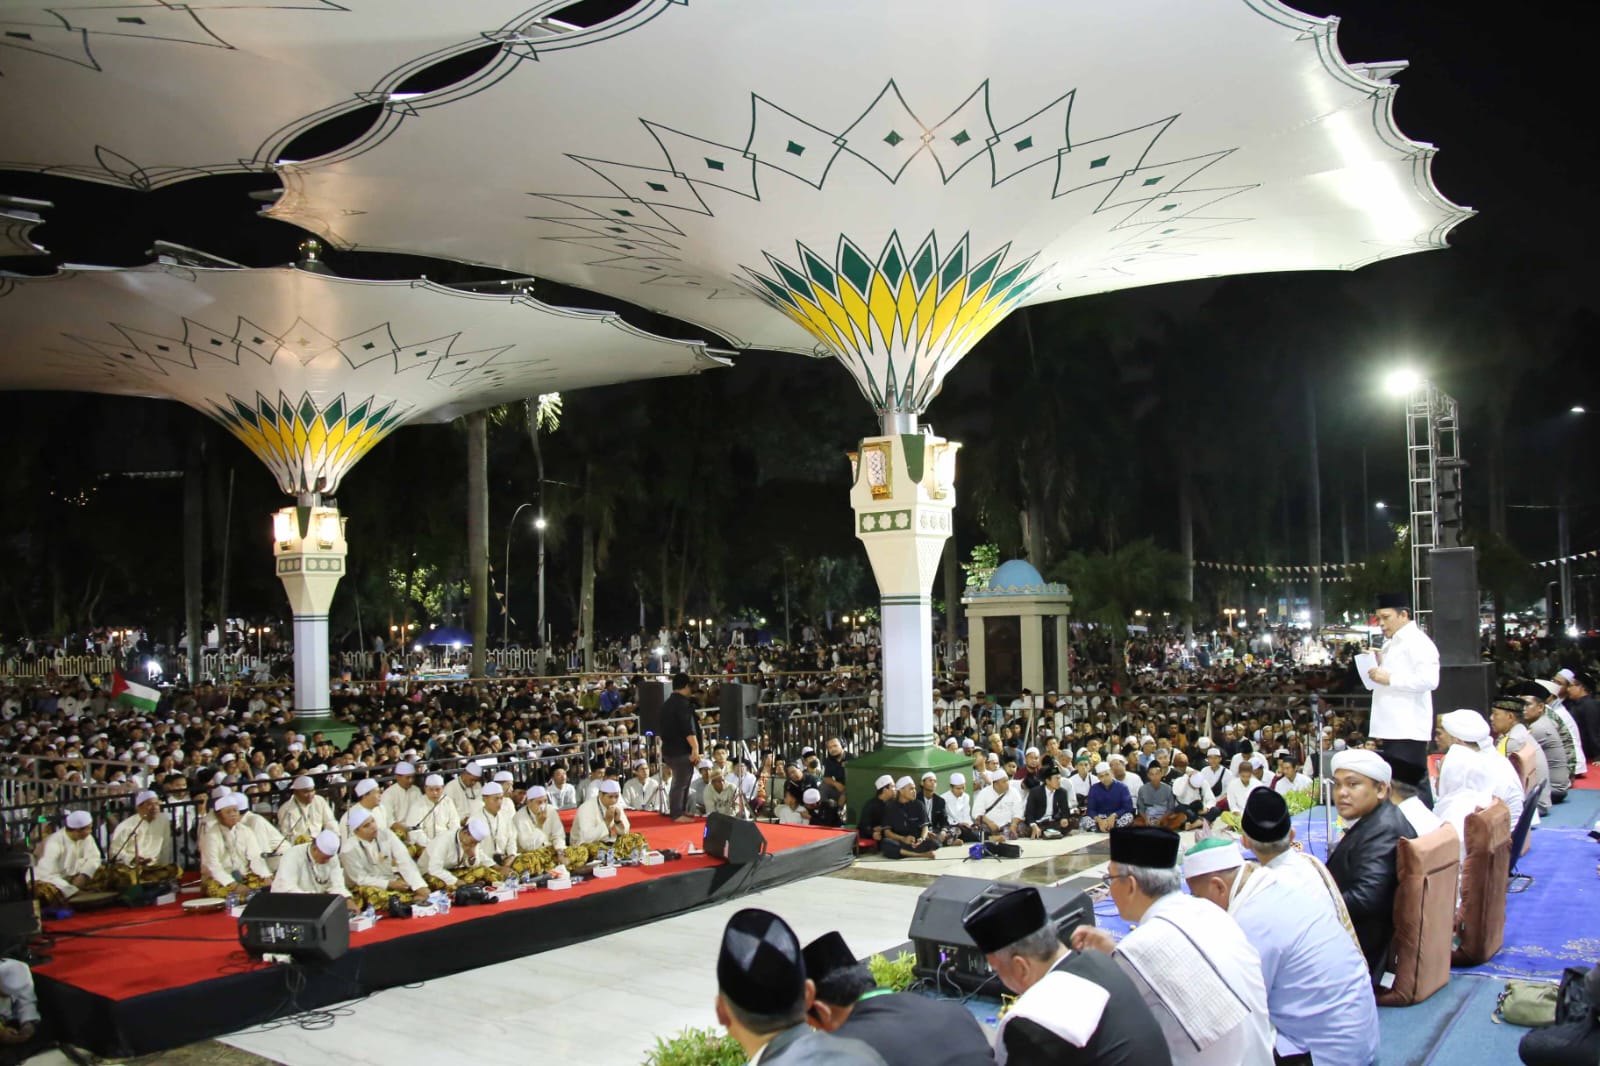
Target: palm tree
[
  {"x": 541, "y": 414},
  {"x": 1107, "y": 587}
]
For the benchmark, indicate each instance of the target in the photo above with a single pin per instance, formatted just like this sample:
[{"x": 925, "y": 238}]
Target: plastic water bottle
[{"x": 233, "y": 900}]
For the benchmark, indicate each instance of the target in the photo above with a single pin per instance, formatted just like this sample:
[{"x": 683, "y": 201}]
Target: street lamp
[
  {"x": 1402, "y": 382},
  {"x": 1380, "y": 506},
  {"x": 539, "y": 524},
  {"x": 505, "y": 608}
]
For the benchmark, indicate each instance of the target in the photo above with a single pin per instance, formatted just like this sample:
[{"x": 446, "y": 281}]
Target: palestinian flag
[{"x": 126, "y": 692}]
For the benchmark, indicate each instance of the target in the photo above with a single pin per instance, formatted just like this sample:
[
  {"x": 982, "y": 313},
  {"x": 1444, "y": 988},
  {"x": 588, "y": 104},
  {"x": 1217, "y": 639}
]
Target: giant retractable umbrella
[
  {"x": 881, "y": 182},
  {"x": 147, "y": 92},
  {"x": 310, "y": 371}
]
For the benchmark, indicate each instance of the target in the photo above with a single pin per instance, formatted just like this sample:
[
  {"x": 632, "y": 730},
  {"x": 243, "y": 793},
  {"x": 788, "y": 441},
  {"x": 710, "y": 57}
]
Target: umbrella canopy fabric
[
  {"x": 883, "y": 182},
  {"x": 310, "y": 371},
  {"x": 142, "y": 93}
]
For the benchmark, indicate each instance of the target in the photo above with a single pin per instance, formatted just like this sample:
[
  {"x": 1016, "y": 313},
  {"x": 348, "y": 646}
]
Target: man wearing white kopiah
[
  {"x": 465, "y": 791},
  {"x": 376, "y": 863},
  {"x": 601, "y": 819},
  {"x": 1471, "y": 768},
  {"x": 1192, "y": 964},
  {"x": 958, "y": 807},
  {"x": 438, "y": 816},
  {"x": 141, "y": 845},
  {"x": 369, "y": 799},
  {"x": 449, "y": 856},
  {"x": 314, "y": 869},
  {"x": 1403, "y": 684},
  {"x": 642, "y": 792},
  {"x": 230, "y": 853},
  {"x": 399, "y": 797},
  {"x": 1319, "y": 995},
  {"x": 70, "y": 861},
  {"x": 307, "y": 814},
  {"x": 533, "y": 823},
  {"x": 497, "y": 814}
]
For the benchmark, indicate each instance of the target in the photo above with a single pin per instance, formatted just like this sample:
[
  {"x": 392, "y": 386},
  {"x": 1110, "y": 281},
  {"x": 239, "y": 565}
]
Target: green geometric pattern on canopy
[{"x": 888, "y": 315}]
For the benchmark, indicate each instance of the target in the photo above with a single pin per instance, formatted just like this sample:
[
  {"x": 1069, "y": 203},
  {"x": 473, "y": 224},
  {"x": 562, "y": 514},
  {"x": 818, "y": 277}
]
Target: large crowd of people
[{"x": 449, "y": 783}]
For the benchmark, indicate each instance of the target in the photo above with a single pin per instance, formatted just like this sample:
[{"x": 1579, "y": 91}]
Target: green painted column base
[
  {"x": 861, "y": 771},
  {"x": 337, "y": 730}
]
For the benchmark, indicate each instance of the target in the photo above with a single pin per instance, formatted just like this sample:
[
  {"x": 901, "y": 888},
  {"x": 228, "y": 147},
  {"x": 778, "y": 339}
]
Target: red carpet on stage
[
  {"x": 122, "y": 953},
  {"x": 1590, "y": 780}
]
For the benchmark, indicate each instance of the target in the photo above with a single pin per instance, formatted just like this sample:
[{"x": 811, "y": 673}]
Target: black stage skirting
[{"x": 173, "y": 1018}]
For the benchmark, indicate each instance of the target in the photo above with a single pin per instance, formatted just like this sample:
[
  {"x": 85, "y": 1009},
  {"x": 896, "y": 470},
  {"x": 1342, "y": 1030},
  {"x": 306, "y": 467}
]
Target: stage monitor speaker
[
  {"x": 303, "y": 926},
  {"x": 1453, "y": 574},
  {"x": 19, "y": 916},
  {"x": 733, "y": 840},
  {"x": 945, "y": 953},
  {"x": 648, "y": 696},
  {"x": 738, "y": 719}
]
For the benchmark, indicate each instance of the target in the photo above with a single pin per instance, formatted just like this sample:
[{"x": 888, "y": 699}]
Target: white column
[
  {"x": 310, "y": 549},
  {"x": 903, "y": 494},
  {"x": 1063, "y": 679},
  {"x": 1033, "y": 678}
]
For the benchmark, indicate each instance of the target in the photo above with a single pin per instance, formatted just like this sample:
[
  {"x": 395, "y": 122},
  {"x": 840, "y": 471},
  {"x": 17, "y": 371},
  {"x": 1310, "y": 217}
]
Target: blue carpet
[{"x": 1551, "y": 925}]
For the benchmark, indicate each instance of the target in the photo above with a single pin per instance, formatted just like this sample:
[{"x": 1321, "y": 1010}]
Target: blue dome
[{"x": 1015, "y": 574}]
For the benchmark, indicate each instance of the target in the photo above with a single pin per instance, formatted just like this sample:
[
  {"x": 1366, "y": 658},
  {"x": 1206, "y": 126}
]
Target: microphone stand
[{"x": 1324, "y": 789}]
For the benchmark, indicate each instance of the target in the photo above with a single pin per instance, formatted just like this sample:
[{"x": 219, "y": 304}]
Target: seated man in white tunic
[
  {"x": 370, "y": 798},
  {"x": 539, "y": 824},
  {"x": 958, "y": 808},
  {"x": 376, "y": 863},
  {"x": 437, "y": 816},
  {"x": 602, "y": 822},
  {"x": 457, "y": 856},
  {"x": 141, "y": 845},
  {"x": 230, "y": 854},
  {"x": 642, "y": 792},
  {"x": 70, "y": 862},
  {"x": 307, "y": 814},
  {"x": 398, "y": 798},
  {"x": 497, "y": 814},
  {"x": 1269, "y": 834},
  {"x": 721, "y": 797},
  {"x": 1472, "y": 767},
  {"x": 314, "y": 869},
  {"x": 1192, "y": 964},
  {"x": 465, "y": 790},
  {"x": 561, "y": 794}
]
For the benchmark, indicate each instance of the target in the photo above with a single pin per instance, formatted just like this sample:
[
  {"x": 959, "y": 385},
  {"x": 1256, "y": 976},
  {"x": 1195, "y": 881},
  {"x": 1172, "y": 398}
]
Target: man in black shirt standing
[{"x": 680, "y": 745}]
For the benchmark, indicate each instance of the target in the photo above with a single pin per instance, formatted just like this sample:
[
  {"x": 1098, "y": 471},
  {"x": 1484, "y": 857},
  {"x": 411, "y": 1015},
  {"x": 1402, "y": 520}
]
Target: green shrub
[
  {"x": 697, "y": 1047},
  {"x": 893, "y": 974}
]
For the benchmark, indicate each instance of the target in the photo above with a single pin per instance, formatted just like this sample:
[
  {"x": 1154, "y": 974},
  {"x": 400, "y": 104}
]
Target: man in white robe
[
  {"x": 1319, "y": 995},
  {"x": 370, "y": 799},
  {"x": 531, "y": 820},
  {"x": 230, "y": 855},
  {"x": 141, "y": 844},
  {"x": 70, "y": 862},
  {"x": 642, "y": 792},
  {"x": 601, "y": 820},
  {"x": 498, "y": 815},
  {"x": 1471, "y": 768},
  {"x": 560, "y": 792},
  {"x": 314, "y": 869},
  {"x": 437, "y": 817},
  {"x": 958, "y": 806},
  {"x": 998, "y": 809},
  {"x": 450, "y": 854},
  {"x": 465, "y": 790},
  {"x": 398, "y": 798},
  {"x": 306, "y": 814},
  {"x": 544, "y": 814},
  {"x": 1194, "y": 967},
  {"x": 376, "y": 863}
]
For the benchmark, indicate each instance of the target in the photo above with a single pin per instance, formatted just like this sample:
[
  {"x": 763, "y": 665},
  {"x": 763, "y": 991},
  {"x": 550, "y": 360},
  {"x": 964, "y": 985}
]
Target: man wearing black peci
[{"x": 680, "y": 745}]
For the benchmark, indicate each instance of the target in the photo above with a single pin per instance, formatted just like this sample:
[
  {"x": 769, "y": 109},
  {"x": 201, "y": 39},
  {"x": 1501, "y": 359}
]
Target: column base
[{"x": 861, "y": 771}]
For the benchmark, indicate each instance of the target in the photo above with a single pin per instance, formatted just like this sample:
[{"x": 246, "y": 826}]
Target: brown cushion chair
[
  {"x": 1525, "y": 765},
  {"x": 1485, "y": 874},
  {"x": 1424, "y": 917}
]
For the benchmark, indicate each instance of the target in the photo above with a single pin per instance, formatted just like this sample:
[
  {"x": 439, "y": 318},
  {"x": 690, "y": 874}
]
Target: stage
[{"x": 131, "y": 982}]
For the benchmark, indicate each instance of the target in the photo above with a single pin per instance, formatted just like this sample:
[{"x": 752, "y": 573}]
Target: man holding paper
[{"x": 1402, "y": 684}]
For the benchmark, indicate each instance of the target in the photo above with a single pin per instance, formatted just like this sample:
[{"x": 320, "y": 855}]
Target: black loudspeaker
[
  {"x": 648, "y": 696},
  {"x": 945, "y": 953},
  {"x": 733, "y": 840},
  {"x": 1453, "y": 573},
  {"x": 19, "y": 917},
  {"x": 302, "y": 926},
  {"x": 1471, "y": 687},
  {"x": 738, "y": 718}
]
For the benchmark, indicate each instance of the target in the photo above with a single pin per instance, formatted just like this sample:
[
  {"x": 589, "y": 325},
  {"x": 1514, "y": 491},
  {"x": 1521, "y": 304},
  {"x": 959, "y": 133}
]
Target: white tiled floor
[{"x": 603, "y": 1002}]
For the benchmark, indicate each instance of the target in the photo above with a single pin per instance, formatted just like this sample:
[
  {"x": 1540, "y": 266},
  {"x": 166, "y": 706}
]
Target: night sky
[{"x": 1502, "y": 96}]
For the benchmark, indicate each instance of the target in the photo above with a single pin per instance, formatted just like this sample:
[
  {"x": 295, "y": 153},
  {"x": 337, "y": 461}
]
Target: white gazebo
[{"x": 1017, "y": 632}]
